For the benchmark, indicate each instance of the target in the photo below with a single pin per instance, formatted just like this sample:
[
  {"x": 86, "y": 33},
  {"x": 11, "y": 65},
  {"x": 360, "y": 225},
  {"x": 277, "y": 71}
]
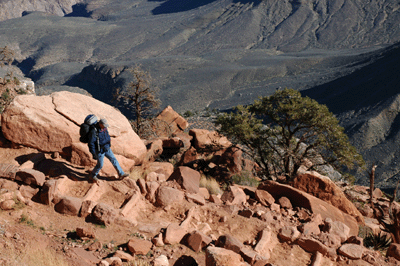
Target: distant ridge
[{"x": 367, "y": 103}]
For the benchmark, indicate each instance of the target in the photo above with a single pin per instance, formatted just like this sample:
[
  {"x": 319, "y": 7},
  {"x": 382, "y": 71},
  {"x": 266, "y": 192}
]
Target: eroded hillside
[{"x": 220, "y": 53}]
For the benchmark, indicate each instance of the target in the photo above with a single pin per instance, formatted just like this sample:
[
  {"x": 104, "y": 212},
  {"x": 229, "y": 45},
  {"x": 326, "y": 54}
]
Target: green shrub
[
  {"x": 6, "y": 95},
  {"x": 18, "y": 204},
  {"x": 26, "y": 220},
  {"x": 245, "y": 179},
  {"x": 21, "y": 92},
  {"x": 188, "y": 114}
]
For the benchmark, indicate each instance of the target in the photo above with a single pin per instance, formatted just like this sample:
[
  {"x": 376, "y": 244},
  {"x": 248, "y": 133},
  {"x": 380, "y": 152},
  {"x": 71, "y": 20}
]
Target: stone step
[{"x": 8, "y": 171}]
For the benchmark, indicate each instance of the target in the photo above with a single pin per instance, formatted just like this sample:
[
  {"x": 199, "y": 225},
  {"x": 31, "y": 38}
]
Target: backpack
[{"x": 86, "y": 127}]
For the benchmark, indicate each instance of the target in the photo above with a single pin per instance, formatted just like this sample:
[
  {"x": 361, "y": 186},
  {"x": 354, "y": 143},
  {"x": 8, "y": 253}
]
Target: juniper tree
[
  {"x": 7, "y": 83},
  {"x": 283, "y": 131},
  {"x": 6, "y": 56},
  {"x": 140, "y": 96}
]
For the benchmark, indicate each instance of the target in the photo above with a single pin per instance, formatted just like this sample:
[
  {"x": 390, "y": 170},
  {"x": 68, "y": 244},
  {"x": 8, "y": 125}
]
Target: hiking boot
[
  {"x": 123, "y": 176},
  {"x": 96, "y": 180}
]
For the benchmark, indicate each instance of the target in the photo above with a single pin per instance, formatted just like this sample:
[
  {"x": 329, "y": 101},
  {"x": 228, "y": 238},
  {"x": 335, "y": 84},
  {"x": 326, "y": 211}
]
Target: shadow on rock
[{"x": 53, "y": 168}]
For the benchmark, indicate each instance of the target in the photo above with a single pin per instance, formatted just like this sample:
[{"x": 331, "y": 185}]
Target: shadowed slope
[{"x": 367, "y": 103}]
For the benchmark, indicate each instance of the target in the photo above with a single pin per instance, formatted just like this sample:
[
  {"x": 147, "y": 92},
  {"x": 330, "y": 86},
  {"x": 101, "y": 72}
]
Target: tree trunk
[{"x": 371, "y": 184}]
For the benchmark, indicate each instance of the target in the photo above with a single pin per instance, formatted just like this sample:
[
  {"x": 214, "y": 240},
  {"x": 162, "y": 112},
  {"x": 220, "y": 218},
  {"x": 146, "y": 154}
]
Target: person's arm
[
  {"x": 105, "y": 139},
  {"x": 108, "y": 138}
]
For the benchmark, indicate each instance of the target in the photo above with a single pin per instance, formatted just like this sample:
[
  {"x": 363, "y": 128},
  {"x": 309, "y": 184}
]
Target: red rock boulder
[
  {"x": 69, "y": 205},
  {"x": 139, "y": 246},
  {"x": 300, "y": 198},
  {"x": 50, "y": 123},
  {"x": 176, "y": 122},
  {"x": 198, "y": 240},
  {"x": 208, "y": 140},
  {"x": 234, "y": 195},
  {"x": 167, "y": 195},
  {"x": 188, "y": 178},
  {"x": 325, "y": 189}
]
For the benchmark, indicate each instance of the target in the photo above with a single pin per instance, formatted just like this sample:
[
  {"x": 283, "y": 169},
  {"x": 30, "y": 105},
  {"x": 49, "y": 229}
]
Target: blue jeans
[{"x": 100, "y": 161}]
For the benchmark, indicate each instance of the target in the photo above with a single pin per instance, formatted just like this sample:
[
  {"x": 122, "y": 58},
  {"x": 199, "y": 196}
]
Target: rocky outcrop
[
  {"x": 188, "y": 178},
  {"x": 178, "y": 213},
  {"x": 325, "y": 189},
  {"x": 201, "y": 225},
  {"x": 51, "y": 124},
  {"x": 301, "y": 199},
  {"x": 30, "y": 176},
  {"x": 176, "y": 122},
  {"x": 208, "y": 140}
]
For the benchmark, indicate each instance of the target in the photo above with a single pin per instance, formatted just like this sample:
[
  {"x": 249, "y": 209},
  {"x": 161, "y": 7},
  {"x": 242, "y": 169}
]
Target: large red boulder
[
  {"x": 69, "y": 205},
  {"x": 208, "y": 140},
  {"x": 174, "y": 234},
  {"x": 264, "y": 197},
  {"x": 198, "y": 240},
  {"x": 176, "y": 122},
  {"x": 300, "y": 198},
  {"x": 50, "y": 123},
  {"x": 234, "y": 195},
  {"x": 325, "y": 189},
  {"x": 188, "y": 178},
  {"x": 229, "y": 242},
  {"x": 104, "y": 214},
  {"x": 30, "y": 177},
  {"x": 167, "y": 195},
  {"x": 190, "y": 155},
  {"x": 231, "y": 157},
  {"x": 164, "y": 168}
]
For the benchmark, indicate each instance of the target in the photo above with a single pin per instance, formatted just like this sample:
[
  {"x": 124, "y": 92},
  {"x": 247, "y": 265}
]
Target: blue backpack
[{"x": 86, "y": 127}]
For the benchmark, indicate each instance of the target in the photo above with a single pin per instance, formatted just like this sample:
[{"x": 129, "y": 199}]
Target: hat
[{"x": 104, "y": 122}]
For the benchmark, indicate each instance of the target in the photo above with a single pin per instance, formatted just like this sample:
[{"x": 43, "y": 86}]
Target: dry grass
[
  {"x": 210, "y": 184},
  {"x": 46, "y": 257},
  {"x": 136, "y": 174},
  {"x": 30, "y": 257}
]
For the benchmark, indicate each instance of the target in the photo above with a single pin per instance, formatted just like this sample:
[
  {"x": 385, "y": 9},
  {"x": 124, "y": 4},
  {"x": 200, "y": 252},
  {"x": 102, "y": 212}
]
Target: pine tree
[{"x": 285, "y": 130}]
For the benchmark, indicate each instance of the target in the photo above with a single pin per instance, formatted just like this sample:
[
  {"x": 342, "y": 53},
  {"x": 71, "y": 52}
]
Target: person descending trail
[{"x": 99, "y": 143}]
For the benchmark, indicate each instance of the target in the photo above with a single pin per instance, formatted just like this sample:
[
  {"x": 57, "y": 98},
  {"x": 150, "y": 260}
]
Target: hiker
[{"x": 100, "y": 146}]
